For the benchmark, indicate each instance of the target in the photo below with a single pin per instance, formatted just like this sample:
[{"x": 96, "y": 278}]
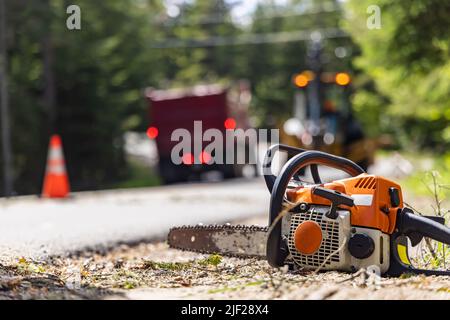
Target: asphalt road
[{"x": 36, "y": 228}]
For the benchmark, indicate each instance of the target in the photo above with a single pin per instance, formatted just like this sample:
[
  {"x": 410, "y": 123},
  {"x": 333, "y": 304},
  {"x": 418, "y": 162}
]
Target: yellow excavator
[{"x": 322, "y": 116}]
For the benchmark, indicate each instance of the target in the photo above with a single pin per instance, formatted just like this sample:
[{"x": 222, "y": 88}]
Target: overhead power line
[
  {"x": 218, "y": 19},
  {"x": 251, "y": 39}
]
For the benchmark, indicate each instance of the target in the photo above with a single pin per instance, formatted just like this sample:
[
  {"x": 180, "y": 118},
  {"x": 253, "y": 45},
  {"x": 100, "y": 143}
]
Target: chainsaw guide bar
[{"x": 229, "y": 240}]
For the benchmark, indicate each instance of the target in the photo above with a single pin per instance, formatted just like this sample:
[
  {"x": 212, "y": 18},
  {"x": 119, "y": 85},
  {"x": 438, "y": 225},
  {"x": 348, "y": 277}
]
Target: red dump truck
[{"x": 215, "y": 106}]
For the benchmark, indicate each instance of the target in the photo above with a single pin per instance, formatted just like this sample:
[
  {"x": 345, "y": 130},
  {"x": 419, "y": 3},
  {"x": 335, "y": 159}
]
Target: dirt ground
[{"x": 153, "y": 271}]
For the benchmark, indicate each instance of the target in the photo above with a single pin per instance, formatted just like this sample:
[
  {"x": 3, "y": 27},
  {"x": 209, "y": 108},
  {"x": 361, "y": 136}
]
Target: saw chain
[{"x": 237, "y": 241}]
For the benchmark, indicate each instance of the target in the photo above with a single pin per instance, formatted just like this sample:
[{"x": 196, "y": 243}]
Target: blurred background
[{"x": 323, "y": 72}]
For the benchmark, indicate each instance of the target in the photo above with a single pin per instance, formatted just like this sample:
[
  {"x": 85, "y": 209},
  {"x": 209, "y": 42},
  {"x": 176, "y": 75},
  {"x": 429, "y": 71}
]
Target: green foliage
[
  {"x": 139, "y": 176},
  {"x": 408, "y": 60},
  {"x": 270, "y": 67},
  {"x": 96, "y": 93},
  {"x": 421, "y": 181},
  {"x": 189, "y": 66},
  {"x": 88, "y": 85}
]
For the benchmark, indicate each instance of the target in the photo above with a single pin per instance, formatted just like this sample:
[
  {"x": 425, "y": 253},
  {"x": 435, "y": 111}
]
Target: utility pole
[{"x": 4, "y": 105}]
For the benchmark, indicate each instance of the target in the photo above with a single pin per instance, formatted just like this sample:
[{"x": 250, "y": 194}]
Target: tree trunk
[
  {"x": 49, "y": 80},
  {"x": 8, "y": 177}
]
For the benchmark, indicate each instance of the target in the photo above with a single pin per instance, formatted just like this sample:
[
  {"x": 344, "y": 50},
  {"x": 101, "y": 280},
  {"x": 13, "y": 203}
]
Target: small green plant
[
  {"x": 26, "y": 266},
  {"x": 129, "y": 285},
  {"x": 212, "y": 260},
  {"x": 169, "y": 266},
  {"x": 407, "y": 275}
]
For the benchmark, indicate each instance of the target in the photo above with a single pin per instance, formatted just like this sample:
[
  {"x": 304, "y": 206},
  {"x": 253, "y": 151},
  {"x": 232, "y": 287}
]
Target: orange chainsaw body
[{"x": 373, "y": 206}]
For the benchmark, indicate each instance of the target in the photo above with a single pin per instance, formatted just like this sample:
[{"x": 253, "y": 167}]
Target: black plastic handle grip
[
  {"x": 408, "y": 222},
  {"x": 336, "y": 199}
]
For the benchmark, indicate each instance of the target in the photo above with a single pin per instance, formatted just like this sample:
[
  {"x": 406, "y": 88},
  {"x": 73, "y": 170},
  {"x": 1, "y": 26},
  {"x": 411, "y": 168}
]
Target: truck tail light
[
  {"x": 205, "y": 157},
  {"x": 188, "y": 159},
  {"x": 230, "y": 124},
  {"x": 152, "y": 132}
]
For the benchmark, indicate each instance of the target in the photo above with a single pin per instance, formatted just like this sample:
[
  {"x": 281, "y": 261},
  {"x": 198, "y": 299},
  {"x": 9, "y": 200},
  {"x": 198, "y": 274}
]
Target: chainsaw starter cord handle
[
  {"x": 335, "y": 197},
  {"x": 276, "y": 251}
]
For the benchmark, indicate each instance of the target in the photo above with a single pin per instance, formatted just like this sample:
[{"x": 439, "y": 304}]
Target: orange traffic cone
[{"x": 56, "y": 182}]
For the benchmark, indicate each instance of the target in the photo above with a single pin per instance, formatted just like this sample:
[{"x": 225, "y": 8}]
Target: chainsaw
[{"x": 346, "y": 225}]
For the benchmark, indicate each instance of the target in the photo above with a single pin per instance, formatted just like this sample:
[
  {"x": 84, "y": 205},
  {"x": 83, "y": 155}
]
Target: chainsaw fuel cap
[
  {"x": 361, "y": 246},
  {"x": 308, "y": 237}
]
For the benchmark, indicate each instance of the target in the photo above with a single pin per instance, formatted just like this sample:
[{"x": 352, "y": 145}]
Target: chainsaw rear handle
[
  {"x": 414, "y": 227},
  {"x": 408, "y": 222},
  {"x": 277, "y": 250}
]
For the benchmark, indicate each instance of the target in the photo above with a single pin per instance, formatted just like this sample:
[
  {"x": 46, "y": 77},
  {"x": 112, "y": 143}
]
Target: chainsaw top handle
[{"x": 276, "y": 248}]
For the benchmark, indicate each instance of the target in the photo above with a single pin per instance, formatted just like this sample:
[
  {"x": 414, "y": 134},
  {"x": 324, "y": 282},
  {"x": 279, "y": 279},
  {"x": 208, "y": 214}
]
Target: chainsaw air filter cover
[{"x": 337, "y": 250}]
